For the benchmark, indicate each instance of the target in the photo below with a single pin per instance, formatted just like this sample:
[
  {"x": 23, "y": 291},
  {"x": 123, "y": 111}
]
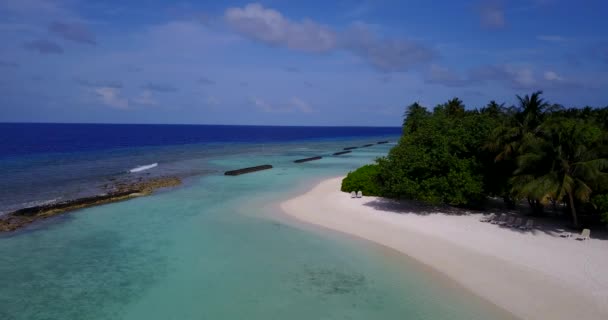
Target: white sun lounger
[
  {"x": 353, "y": 194},
  {"x": 489, "y": 218},
  {"x": 507, "y": 222},
  {"x": 516, "y": 224},
  {"x": 359, "y": 194},
  {"x": 500, "y": 219},
  {"x": 584, "y": 235},
  {"x": 529, "y": 224}
]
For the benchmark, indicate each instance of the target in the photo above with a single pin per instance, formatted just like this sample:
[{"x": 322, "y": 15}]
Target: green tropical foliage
[
  {"x": 539, "y": 152},
  {"x": 412, "y": 117},
  {"x": 563, "y": 163},
  {"x": 435, "y": 159},
  {"x": 363, "y": 179},
  {"x": 600, "y": 203}
]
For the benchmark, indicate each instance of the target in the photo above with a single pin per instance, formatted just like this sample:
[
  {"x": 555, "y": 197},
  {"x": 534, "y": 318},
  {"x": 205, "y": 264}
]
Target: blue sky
[{"x": 291, "y": 62}]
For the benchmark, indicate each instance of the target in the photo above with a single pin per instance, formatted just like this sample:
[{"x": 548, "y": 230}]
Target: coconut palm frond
[
  {"x": 590, "y": 169},
  {"x": 582, "y": 191}
]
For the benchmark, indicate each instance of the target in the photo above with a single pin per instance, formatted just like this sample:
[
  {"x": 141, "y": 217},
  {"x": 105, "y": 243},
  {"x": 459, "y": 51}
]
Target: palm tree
[
  {"x": 509, "y": 137},
  {"x": 493, "y": 109},
  {"x": 532, "y": 109},
  {"x": 454, "y": 107},
  {"x": 413, "y": 115},
  {"x": 562, "y": 162}
]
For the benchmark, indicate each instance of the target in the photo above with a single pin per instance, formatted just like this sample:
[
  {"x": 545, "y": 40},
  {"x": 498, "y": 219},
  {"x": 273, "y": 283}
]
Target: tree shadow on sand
[
  {"x": 550, "y": 224},
  {"x": 415, "y": 207}
]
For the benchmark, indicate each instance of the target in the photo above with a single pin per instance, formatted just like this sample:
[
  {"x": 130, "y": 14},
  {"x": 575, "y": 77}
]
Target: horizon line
[{"x": 201, "y": 124}]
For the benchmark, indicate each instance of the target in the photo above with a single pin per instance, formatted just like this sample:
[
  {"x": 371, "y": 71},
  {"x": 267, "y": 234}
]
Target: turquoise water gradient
[{"x": 212, "y": 250}]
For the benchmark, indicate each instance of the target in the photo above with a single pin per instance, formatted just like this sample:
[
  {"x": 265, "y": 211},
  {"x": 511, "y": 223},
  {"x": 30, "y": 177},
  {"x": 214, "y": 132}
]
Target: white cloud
[
  {"x": 518, "y": 77},
  {"x": 522, "y": 77},
  {"x": 114, "y": 97},
  {"x": 261, "y": 104},
  {"x": 271, "y": 27},
  {"x": 111, "y": 97},
  {"x": 552, "y": 76},
  {"x": 301, "y": 105},
  {"x": 385, "y": 54},
  {"x": 145, "y": 98}
]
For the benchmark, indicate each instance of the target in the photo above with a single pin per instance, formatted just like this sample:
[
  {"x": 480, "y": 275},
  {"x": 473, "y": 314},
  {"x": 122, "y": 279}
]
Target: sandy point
[{"x": 533, "y": 274}]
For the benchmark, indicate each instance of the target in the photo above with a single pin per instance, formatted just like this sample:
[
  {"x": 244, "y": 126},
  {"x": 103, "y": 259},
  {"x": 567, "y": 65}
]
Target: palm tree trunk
[{"x": 573, "y": 210}]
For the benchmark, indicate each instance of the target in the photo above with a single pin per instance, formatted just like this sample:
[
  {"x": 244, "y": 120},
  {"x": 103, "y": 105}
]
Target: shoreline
[{"x": 562, "y": 278}]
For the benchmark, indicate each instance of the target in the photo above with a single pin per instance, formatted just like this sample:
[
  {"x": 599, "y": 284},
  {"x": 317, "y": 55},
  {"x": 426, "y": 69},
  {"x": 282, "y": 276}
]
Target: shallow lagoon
[{"x": 217, "y": 248}]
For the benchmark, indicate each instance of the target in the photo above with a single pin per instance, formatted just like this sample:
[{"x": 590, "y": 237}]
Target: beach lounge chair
[
  {"x": 565, "y": 234},
  {"x": 359, "y": 194},
  {"x": 507, "y": 222},
  {"x": 516, "y": 224},
  {"x": 584, "y": 235},
  {"x": 529, "y": 224},
  {"x": 489, "y": 218},
  {"x": 353, "y": 194},
  {"x": 500, "y": 219}
]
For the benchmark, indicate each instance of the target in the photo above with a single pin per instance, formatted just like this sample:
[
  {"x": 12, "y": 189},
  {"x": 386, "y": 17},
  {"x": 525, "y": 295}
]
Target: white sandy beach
[{"x": 534, "y": 274}]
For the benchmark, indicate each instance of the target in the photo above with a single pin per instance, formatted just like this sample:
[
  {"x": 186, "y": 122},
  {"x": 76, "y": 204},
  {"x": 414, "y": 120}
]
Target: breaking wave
[{"x": 143, "y": 168}]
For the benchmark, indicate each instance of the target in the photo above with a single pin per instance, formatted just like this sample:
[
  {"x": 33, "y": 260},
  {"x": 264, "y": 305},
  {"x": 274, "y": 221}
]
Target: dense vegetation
[
  {"x": 542, "y": 153},
  {"x": 363, "y": 179}
]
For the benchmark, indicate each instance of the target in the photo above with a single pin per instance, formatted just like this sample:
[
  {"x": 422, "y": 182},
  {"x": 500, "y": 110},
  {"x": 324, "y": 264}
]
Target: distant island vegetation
[{"x": 545, "y": 154}]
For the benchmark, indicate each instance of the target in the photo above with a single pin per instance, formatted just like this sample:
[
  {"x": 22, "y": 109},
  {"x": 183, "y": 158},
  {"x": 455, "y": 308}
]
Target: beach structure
[
  {"x": 367, "y": 145},
  {"x": 247, "y": 170},
  {"x": 308, "y": 159},
  {"x": 341, "y": 153},
  {"x": 584, "y": 235},
  {"x": 350, "y": 148},
  {"x": 359, "y": 194},
  {"x": 382, "y": 142}
]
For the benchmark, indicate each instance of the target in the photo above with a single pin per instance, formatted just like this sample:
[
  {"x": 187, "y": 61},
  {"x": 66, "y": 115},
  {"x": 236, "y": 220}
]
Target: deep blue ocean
[
  {"x": 47, "y": 162},
  {"x": 31, "y": 138}
]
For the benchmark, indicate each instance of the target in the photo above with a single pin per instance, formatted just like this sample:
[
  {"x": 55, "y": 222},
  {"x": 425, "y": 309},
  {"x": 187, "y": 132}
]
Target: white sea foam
[
  {"x": 29, "y": 204},
  {"x": 38, "y": 203},
  {"x": 143, "y": 168}
]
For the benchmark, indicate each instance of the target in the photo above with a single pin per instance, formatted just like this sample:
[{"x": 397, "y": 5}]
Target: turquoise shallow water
[{"x": 212, "y": 250}]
